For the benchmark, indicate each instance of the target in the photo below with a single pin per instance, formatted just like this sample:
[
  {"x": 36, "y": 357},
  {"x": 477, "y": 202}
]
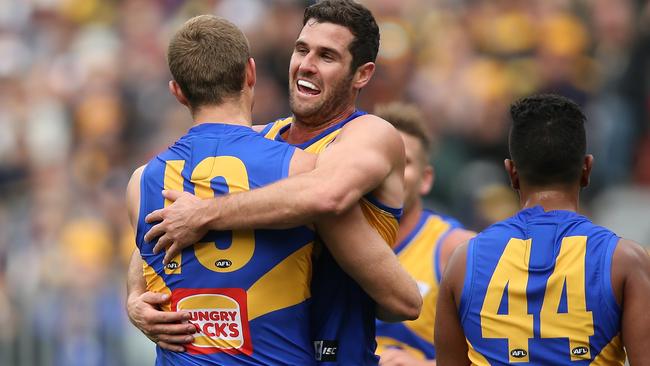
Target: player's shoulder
[
  {"x": 631, "y": 255},
  {"x": 370, "y": 121},
  {"x": 137, "y": 175},
  {"x": 374, "y": 130}
]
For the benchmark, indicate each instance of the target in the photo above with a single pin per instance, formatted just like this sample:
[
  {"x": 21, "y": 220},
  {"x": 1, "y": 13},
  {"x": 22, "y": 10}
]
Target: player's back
[
  {"x": 247, "y": 291},
  {"x": 538, "y": 291}
]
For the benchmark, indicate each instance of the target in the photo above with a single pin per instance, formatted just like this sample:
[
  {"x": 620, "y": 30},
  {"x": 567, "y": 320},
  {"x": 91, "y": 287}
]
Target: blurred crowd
[{"x": 84, "y": 101}]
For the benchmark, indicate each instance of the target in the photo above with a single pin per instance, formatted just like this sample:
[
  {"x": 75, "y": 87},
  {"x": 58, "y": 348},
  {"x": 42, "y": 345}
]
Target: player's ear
[
  {"x": 176, "y": 91},
  {"x": 512, "y": 173},
  {"x": 251, "y": 75},
  {"x": 363, "y": 74},
  {"x": 586, "y": 170},
  {"x": 428, "y": 177}
]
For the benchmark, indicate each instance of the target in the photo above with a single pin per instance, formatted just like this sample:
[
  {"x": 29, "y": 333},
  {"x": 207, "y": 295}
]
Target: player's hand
[
  {"x": 169, "y": 330},
  {"x": 398, "y": 357},
  {"x": 179, "y": 225}
]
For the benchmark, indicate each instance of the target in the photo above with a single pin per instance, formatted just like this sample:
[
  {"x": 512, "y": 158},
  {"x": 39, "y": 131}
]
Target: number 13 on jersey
[
  {"x": 516, "y": 324},
  {"x": 233, "y": 171}
]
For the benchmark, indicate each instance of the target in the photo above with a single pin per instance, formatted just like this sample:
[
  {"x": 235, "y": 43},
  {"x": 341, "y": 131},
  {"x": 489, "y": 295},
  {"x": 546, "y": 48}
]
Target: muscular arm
[
  {"x": 367, "y": 258},
  {"x": 451, "y": 346},
  {"x": 359, "y": 160},
  {"x": 163, "y": 328},
  {"x": 631, "y": 282}
]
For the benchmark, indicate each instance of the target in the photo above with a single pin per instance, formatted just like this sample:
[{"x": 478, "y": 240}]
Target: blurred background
[{"x": 84, "y": 101}]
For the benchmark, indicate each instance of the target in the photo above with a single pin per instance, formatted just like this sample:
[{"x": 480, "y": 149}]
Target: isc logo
[
  {"x": 518, "y": 353},
  {"x": 326, "y": 351}
]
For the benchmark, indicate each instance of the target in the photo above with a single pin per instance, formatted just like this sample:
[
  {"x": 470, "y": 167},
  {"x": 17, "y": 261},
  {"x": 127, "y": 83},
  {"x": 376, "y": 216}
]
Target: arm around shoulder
[{"x": 369, "y": 260}]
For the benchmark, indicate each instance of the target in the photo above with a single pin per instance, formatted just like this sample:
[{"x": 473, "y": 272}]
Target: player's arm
[
  {"x": 368, "y": 259},
  {"x": 357, "y": 162},
  {"x": 163, "y": 328},
  {"x": 631, "y": 282},
  {"x": 451, "y": 346}
]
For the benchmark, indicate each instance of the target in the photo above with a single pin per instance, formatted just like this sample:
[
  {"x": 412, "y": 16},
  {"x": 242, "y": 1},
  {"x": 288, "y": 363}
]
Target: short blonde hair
[{"x": 207, "y": 57}]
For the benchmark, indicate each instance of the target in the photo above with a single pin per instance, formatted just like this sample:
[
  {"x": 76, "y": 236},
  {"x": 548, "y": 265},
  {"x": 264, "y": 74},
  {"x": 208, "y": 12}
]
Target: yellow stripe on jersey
[
  {"x": 277, "y": 126},
  {"x": 384, "y": 222},
  {"x": 418, "y": 260},
  {"x": 612, "y": 354},
  {"x": 174, "y": 181},
  {"x": 475, "y": 358},
  {"x": 314, "y": 148},
  {"x": 155, "y": 283},
  {"x": 277, "y": 288}
]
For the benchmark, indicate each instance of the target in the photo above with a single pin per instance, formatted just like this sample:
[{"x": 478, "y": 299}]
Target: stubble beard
[{"x": 324, "y": 109}]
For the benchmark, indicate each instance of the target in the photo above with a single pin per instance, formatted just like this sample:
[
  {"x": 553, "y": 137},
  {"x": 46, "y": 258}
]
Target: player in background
[
  {"x": 361, "y": 159},
  {"x": 546, "y": 286},
  {"x": 246, "y": 291},
  {"x": 425, "y": 241}
]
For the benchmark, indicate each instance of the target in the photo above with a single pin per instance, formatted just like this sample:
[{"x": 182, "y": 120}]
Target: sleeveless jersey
[
  {"x": 343, "y": 315},
  {"x": 247, "y": 291},
  {"x": 419, "y": 254},
  {"x": 538, "y": 292}
]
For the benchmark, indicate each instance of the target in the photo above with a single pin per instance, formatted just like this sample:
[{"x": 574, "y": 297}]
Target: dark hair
[
  {"x": 408, "y": 119},
  {"x": 547, "y": 139},
  {"x": 207, "y": 57},
  {"x": 357, "y": 18}
]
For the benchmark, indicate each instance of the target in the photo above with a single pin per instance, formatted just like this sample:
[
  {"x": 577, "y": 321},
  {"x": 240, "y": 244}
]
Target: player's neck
[
  {"x": 302, "y": 131},
  {"x": 230, "y": 112},
  {"x": 408, "y": 221},
  {"x": 550, "y": 198}
]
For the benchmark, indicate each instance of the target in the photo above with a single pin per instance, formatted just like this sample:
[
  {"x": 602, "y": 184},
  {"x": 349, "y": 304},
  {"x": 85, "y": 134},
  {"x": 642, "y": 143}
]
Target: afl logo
[
  {"x": 580, "y": 351},
  {"x": 223, "y": 263},
  {"x": 518, "y": 353},
  {"x": 172, "y": 265}
]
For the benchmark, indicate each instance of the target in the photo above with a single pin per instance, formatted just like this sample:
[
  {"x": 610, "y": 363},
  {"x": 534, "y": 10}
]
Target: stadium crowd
[{"x": 84, "y": 100}]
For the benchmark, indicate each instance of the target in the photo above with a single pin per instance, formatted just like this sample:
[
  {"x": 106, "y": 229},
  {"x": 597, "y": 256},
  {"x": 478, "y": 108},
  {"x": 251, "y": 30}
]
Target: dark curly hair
[
  {"x": 357, "y": 18},
  {"x": 547, "y": 139}
]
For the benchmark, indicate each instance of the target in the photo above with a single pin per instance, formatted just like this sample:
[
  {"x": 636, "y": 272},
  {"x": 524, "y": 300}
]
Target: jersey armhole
[
  {"x": 436, "y": 255},
  {"x": 466, "y": 292},
  {"x": 286, "y": 161},
  {"x": 139, "y": 230},
  {"x": 266, "y": 129},
  {"x": 606, "y": 278}
]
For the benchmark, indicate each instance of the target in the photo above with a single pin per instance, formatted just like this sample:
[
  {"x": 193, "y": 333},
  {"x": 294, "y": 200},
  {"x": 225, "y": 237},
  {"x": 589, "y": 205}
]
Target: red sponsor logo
[{"x": 220, "y": 317}]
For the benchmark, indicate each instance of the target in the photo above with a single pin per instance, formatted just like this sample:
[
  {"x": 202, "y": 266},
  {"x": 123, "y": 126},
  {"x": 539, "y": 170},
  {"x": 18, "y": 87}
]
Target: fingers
[
  {"x": 154, "y": 298},
  {"x": 170, "y": 347},
  {"x": 173, "y": 333},
  {"x": 171, "y": 194},
  {"x": 154, "y": 232},
  {"x": 171, "y": 252},
  {"x": 155, "y": 216},
  {"x": 163, "y": 242},
  {"x": 168, "y": 317}
]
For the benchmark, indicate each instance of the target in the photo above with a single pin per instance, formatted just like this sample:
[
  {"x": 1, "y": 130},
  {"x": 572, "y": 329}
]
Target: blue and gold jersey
[
  {"x": 343, "y": 315},
  {"x": 247, "y": 291},
  {"x": 538, "y": 292},
  {"x": 419, "y": 254}
]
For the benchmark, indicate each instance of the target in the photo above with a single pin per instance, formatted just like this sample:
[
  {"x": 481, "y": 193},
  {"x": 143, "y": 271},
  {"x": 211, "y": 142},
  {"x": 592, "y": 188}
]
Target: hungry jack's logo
[{"x": 220, "y": 317}]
